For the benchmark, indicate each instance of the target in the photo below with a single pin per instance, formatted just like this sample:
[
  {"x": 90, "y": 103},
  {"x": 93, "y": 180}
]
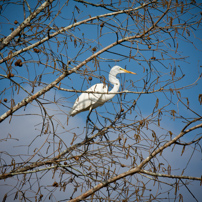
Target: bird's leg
[
  {"x": 87, "y": 126},
  {"x": 87, "y": 123},
  {"x": 94, "y": 126},
  {"x": 87, "y": 119}
]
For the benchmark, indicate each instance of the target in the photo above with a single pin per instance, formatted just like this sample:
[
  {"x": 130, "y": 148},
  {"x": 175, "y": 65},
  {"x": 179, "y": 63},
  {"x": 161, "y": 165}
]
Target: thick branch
[
  {"x": 54, "y": 160},
  {"x": 24, "y": 24},
  {"x": 51, "y": 85},
  {"x": 67, "y": 28},
  {"x": 170, "y": 176},
  {"x": 136, "y": 169},
  {"x": 25, "y": 101}
]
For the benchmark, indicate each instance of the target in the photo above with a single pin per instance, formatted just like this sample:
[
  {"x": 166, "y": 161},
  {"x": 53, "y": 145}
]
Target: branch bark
[
  {"x": 51, "y": 85},
  {"x": 25, "y": 101},
  {"x": 24, "y": 24},
  {"x": 15, "y": 32},
  {"x": 170, "y": 176},
  {"x": 136, "y": 169}
]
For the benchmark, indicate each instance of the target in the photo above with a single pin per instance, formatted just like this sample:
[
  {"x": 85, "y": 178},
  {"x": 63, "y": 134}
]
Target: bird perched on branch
[{"x": 90, "y": 101}]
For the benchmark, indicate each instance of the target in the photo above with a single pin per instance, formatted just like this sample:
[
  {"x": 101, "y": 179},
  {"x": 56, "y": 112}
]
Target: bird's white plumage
[{"x": 89, "y": 101}]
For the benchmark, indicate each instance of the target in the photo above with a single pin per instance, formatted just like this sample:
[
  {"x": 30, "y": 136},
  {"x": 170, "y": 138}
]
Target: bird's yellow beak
[{"x": 126, "y": 71}]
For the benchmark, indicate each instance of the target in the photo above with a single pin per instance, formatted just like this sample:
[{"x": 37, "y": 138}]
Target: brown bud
[
  {"x": 18, "y": 63},
  {"x": 102, "y": 24},
  {"x": 94, "y": 49},
  {"x": 15, "y": 22},
  {"x": 149, "y": 47},
  {"x": 76, "y": 158},
  {"x": 10, "y": 75},
  {"x": 55, "y": 184},
  {"x": 153, "y": 58},
  {"x": 122, "y": 110},
  {"x": 142, "y": 123},
  {"x": 90, "y": 78},
  {"x": 5, "y": 100},
  {"x": 36, "y": 50}
]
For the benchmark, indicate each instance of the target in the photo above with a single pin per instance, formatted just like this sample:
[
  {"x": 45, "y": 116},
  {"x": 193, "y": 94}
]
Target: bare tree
[{"x": 145, "y": 144}]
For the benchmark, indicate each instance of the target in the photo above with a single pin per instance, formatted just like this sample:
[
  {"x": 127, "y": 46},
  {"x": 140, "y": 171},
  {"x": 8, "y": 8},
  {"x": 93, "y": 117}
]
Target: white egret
[{"x": 90, "y": 101}]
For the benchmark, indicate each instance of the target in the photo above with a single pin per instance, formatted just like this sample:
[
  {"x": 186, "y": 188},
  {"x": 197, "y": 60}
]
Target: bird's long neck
[{"x": 113, "y": 80}]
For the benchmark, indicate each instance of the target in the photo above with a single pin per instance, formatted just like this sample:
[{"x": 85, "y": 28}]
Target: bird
[{"x": 89, "y": 101}]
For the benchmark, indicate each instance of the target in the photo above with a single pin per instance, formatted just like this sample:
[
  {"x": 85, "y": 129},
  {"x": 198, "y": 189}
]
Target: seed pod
[
  {"x": 36, "y": 50},
  {"x": 55, "y": 184},
  {"x": 76, "y": 158},
  {"x": 18, "y": 63},
  {"x": 10, "y": 75},
  {"x": 94, "y": 49}
]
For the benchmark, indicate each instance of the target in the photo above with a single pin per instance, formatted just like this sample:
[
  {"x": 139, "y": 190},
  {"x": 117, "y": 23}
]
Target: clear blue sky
[{"x": 24, "y": 129}]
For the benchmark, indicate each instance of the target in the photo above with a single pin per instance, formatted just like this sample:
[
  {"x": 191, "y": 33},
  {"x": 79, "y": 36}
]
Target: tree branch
[
  {"x": 24, "y": 24},
  {"x": 170, "y": 176},
  {"x": 25, "y": 101},
  {"x": 136, "y": 169},
  {"x": 51, "y": 85},
  {"x": 11, "y": 55}
]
